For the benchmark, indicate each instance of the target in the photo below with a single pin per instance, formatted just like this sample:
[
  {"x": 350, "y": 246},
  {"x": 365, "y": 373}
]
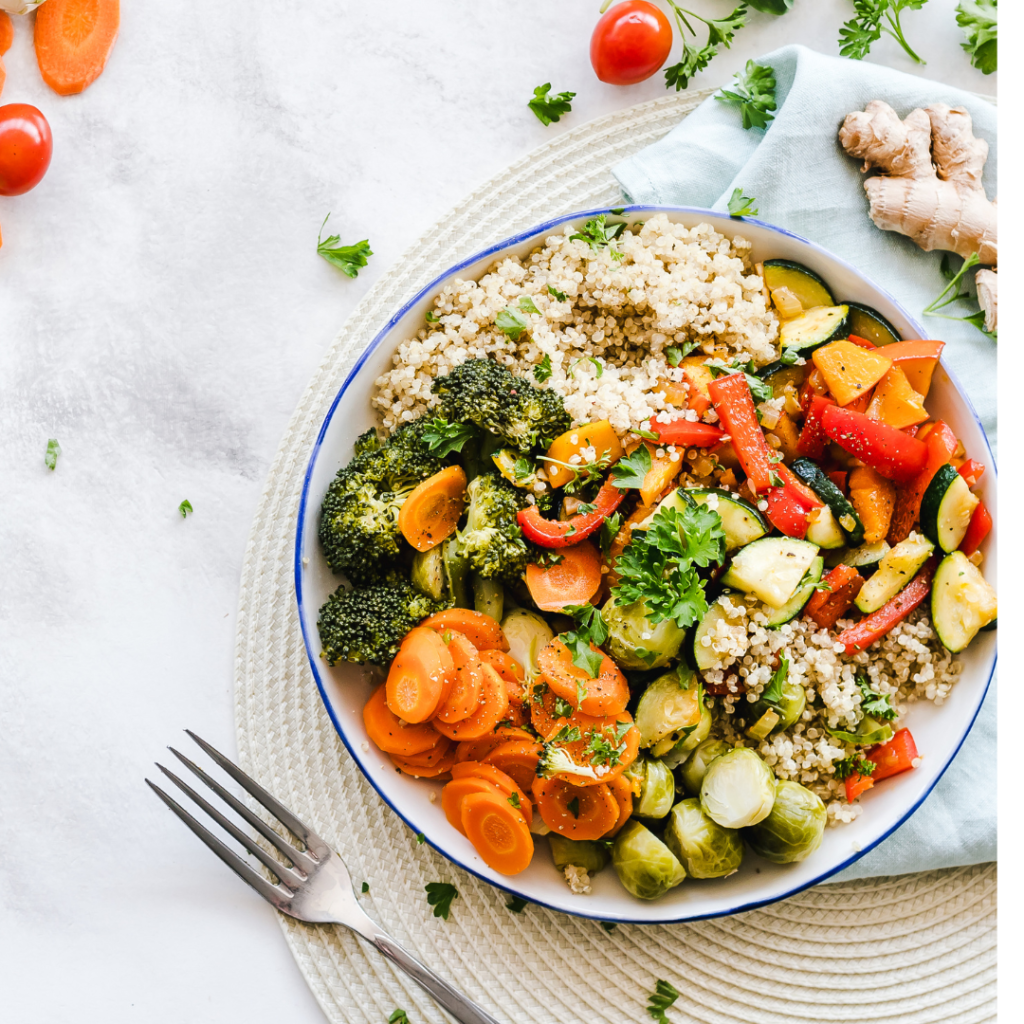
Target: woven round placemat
[{"x": 914, "y": 949}]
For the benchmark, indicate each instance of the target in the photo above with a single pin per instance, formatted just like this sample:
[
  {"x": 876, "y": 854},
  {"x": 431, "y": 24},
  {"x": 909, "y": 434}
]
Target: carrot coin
[
  {"x": 390, "y": 733},
  {"x": 492, "y": 709},
  {"x": 498, "y": 832},
  {"x": 576, "y": 812},
  {"x": 464, "y": 696},
  {"x": 481, "y": 630},
  {"x": 608, "y": 694},
  {"x": 421, "y": 676}
]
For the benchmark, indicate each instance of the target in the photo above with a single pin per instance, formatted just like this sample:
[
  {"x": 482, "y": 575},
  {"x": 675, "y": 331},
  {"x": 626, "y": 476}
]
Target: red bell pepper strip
[
  {"x": 874, "y": 626},
  {"x": 735, "y": 407},
  {"x": 687, "y": 433},
  {"x": 826, "y": 607},
  {"x": 892, "y": 758},
  {"x": 853, "y": 339},
  {"x": 789, "y": 503},
  {"x": 561, "y": 533},
  {"x": 885, "y": 449},
  {"x": 977, "y": 530},
  {"x": 814, "y": 384},
  {"x": 812, "y": 441},
  {"x": 940, "y": 443},
  {"x": 971, "y": 471}
]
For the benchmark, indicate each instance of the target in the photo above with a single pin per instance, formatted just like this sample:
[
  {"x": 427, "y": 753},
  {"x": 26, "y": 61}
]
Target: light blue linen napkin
[{"x": 803, "y": 181}]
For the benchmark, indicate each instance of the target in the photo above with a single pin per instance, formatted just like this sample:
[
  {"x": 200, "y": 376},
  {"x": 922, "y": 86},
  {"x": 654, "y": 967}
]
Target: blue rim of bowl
[{"x": 313, "y": 658}]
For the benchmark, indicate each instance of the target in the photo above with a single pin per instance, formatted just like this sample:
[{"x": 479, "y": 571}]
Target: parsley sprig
[
  {"x": 978, "y": 20},
  {"x": 663, "y": 996},
  {"x": 875, "y": 704},
  {"x": 398, "y": 1016},
  {"x": 741, "y": 205},
  {"x": 754, "y": 93},
  {"x": 872, "y": 18},
  {"x": 951, "y": 293},
  {"x": 630, "y": 470},
  {"x": 347, "y": 258},
  {"x": 583, "y": 473},
  {"x": 184, "y": 508},
  {"x": 599, "y": 234},
  {"x": 443, "y": 438},
  {"x": 440, "y": 896},
  {"x": 852, "y": 765},
  {"x": 759, "y": 389},
  {"x": 511, "y": 322},
  {"x": 52, "y": 453},
  {"x": 772, "y": 693},
  {"x": 590, "y": 629},
  {"x": 542, "y": 371},
  {"x": 550, "y": 108},
  {"x": 694, "y": 58}
]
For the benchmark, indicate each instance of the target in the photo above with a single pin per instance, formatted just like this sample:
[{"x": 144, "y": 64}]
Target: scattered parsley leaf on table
[
  {"x": 694, "y": 59},
  {"x": 440, "y": 896},
  {"x": 754, "y": 93},
  {"x": 609, "y": 926},
  {"x": 741, "y": 205},
  {"x": 663, "y": 996},
  {"x": 421, "y": 839},
  {"x": 516, "y": 904},
  {"x": 872, "y": 18},
  {"x": 630, "y": 470},
  {"x": 398, "y": 1017},
  {"x": 978, "y": 20},
  {"x": 366, "y": 887},
  {"x": 184, "y": 508},
  {"x": 550, "y": 108},
  {"x": 52, "y": 451},
  {"x": 348, "y": 258}
]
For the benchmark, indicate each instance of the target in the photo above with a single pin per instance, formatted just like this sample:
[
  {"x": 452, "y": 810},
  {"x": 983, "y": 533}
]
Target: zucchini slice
[
  {"x": 813, "y": 328},
  {"x": 779, "y": 375},
  {"x": 896, "y": 569},
  {"x": 864, "y": 559},
  {"x": 741, "y": 522},
  {"x": 795, "y": 605},
  {"x": 963, "y": 602},
  {"x": 868, "y": 323},
  {"x": 809, "y": 289},
  {"x": 704, "y": 657},
  {"x": 771, "y": 568},
  {"x": 845, "y": 514},
  {"x": 946, "y": 508},
  {"x": 823, "y": 530}
]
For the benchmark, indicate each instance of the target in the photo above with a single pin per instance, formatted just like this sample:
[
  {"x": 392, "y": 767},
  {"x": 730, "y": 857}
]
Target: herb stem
[
  {"x": 944, "y": 298},
  {"x": 896, "y": 31}
]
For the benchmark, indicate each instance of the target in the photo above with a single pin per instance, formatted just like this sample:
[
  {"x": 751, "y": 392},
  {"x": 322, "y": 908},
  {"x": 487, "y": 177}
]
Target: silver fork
[{"x": 316, "y": 887}]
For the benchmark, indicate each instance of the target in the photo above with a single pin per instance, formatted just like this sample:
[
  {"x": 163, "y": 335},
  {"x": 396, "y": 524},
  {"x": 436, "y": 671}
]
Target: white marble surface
[{"x": 161, "y": 308}]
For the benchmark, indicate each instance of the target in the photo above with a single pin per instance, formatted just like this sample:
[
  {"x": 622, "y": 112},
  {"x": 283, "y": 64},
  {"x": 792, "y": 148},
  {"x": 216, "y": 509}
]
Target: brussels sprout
[
  {"x": 584, "y": 853},
  {"x": 692, "y": 772},
  {"x": 787, "y": 711},
  {"x": 701, "y": 845},
  {"x": 456, "y": 571},
  {"x": 488, "y": 596},
  {"x": 646, "y": 867},
  {"x": 527, "y": 635},
  {"x": 657, "y": 789},
  {"x": 677, "y": 753},
  {"x": 637, "y": 643},
  {"x": 428, "y": 572},
  {"x": 670, "y": 708},
  {"x": 794, "y": 828},
  {"x": 738, "y": 789}
]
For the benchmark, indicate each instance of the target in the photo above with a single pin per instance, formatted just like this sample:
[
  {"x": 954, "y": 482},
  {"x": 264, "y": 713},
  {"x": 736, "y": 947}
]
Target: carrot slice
[
  {"x": 518, "y": 759},
  {"x": 492, "y": 709},
  {"x": 605, "y": 749},
  {"x": 73, "y": 41},
  {"x": 498, "y": 831},
  {"x": 419, "y": 771},
  {"x": 430, "y": 758},
  {"x": 574, "y": 579},
  {"x": 390, "y": 733},
  {"x": 432, "y": 511},
  {"x": 622, "y": 789},
  {"x": 3, "y": 74},
  {"x": 464, "y": 696},
  {"x": 479, "y": 770},
  {"x": 577, "y": 812},
  {"x": 6, "y": 32},
  {"x": 483, "y": 632},
  {"x": 457, "y": 790},
  {"x": 511, "y": 671},
  {"x": 545, "y": 710},
  {"x": 608, "y": 694},
  {"x": 421, "y": 676},
  {"x": 477, "y": 750}
]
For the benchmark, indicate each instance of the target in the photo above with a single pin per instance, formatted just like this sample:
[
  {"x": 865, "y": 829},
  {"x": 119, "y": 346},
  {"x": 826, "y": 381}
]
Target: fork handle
[{"x": 464, "y": 1010}]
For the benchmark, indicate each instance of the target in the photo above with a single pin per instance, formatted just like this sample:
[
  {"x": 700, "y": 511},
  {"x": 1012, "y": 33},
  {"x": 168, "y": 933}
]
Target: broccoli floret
[
  {"x": 491, "y": 539},
  {"x": 367, "y": 624},
  {"x": 483, "y": 392},
  {"x": 359, "y": 516}
]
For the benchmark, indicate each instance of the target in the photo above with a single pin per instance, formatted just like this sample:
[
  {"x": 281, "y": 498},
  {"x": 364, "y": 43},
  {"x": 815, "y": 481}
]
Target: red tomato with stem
[
  {"x": 26, "y": 146},
  {"x": 630, "y": 42}
]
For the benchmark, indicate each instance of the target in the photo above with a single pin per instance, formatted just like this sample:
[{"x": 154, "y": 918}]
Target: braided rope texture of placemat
[{"x": 914, "y": 949}]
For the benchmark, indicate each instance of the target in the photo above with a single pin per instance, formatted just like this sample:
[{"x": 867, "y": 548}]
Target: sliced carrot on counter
[
  {"x": 477, "y": 750},
  {"x": 464, "y": 696},
  {"x": 518, "y": 759},
  {"x": 421, "y": 676},
  {"x": 600, "y": 436},
  {"x": 504, "y": 782},
  {"x": 391, "y": 734},
  {"x": 6, "y": 32},
  {"x": 576, "y": 812},
  {"x": 574, "y": 579},
  {"x": 622, "y": 789},
  {"x": 491, "y": 710},
  {"x": 432, "y": 511},
  {"x": 73, "y": 40},
  {"x": 482, "y": 631},
  {"x": 498, "y": 832},
  {"x": 608, "y": 694}
]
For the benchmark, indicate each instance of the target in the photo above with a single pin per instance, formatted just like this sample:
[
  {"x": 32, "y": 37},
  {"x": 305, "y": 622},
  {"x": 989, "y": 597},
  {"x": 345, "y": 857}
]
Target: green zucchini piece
[
  {"x": 741, "y": 522},
  {"x": 809, "y": 289},
  {"x": 896, "y": 569},
  {"x": 963, "y": 602},
  {"x": 864, "y": 559},
  {"x": 813, "y": 328},
  {"x": 795, "y": 605},
  {"x": 845, "y": 514},
  {"x": 779, "y": 375},
  {"x": 771, "y": 568},
  {"x": 704, "y": 657},
  {"x": 823, "y": 530},
  {"x": 869, "y": 324},
  {"x": 946, "y": 508}
]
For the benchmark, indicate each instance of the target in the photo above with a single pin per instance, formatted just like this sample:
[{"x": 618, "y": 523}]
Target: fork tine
[
  {"x": 296, "y": 856},
  {"x": 271, "y": 893},
  {"x": 298, "y": 828},
  {"x": 290, "y": 879}
]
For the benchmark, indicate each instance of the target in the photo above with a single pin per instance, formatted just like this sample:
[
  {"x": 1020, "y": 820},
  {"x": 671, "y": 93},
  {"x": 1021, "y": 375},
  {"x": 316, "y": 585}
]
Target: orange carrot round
[
  {"x": 477, "y": 750},
  {"x": 421, "y": 676},
  {"x": 608, "y": 694},
  {"x": 622, "y": 789},
  {"x": 419, "y": 771},
  {"x": 6, "y": 32},
  {"x": 518, "y": 759},
  {"x": 479, "y": 770},
  {"x": 576, "y": 812},
  {"x": 482, "y": 631},
  {"x": 390, "y": 733},
  {"x": 498, "y": 832},
  {"x": 606, "y": 747},
  {"x": 457, "y": 790},
  {"x": 574, "y": 579},
  {"x": 73, "y": 41},
  {"x": 544, "y": 709},
  {"x": 430, "y": 758},
  {"x": 432, "y": 511},
  {"x": 464, "y": 696},
  {"x": 510, "y": 670},
  {"x": 491, "y": 710}
]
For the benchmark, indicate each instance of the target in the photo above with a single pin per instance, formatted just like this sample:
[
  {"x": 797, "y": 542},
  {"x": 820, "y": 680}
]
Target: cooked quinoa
[{"x": 606, "y": 342}]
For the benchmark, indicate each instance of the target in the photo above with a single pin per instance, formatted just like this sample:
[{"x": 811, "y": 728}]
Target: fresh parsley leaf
[
  {"x": 567, "y": 734},
  {"x": 646, "y": 656},
  {"x": 978, "y": 20},
  {"x": 443, "y": 438},
  {"x": 516, "y": 904},
  {"x": 365, "y": 887},
  {"x": 421, "y": 839},
  {"x": 563, "y": 709},
  {"x": 52, "y": 451},
  {"x": 754, "y": 94},
  {"x": 522, "y": 468},
  {"x": 647, "y": 435},
  {"x": 527, "y": 305},
  {"x": 440, "y": 896},
  {"x": 581, "y": 690},
  {"x": 348, "y": 258},
  {"x": 590, "y": 629},
  {"x": 184, "y": 508},
  {"x": 760, "y": 390},
  {"x": 556, "y": 293},
  {"x": 660, "y": 1000},
  {"x": 573, "y": 806},
  {"x": 603, "y": 750},
  {"x": 772, "y": 693},
  {"x": 598, "y": 234},
  {"x": 511, "y": 322},
  {"x": 514, "y": 800},
  {"x": 586, "y": 508},
  {"x": 398, "y": 1017},
  {"x": 874, "y": 704},
  {"x": 609, "y": 531},
  {"x": 789, "y": 356},
  {"x": 432, "y": 317},
  {"x": 852, "y": 765},
  {"x": 609, "y": 926},
  {"x": 741, "y": 205},
  {"x": 542, "y": 371},
  {"x": 550, "y": 108},
  {"x": 694, "y": 61},
  {"x": 675, "y": 354},
  {"x": 823, "y": 585},
  {"x": 871, "y": 18},
  {"x": 951, "y": 293},
  {"x": 598, "y": 365},
  {"x": 630, "y": 470}
]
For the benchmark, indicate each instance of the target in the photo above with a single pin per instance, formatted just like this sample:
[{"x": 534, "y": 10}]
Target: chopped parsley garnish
[
  {"x": 348, "y": 258},
  {"x": 365, "y": 887},
  {"x": 823, "y": 585},
  {"x": 852, "y": 765},
  {"x": 590, "y": 629},
  {"x": 514, "y": 800},
  {"x": 573, "y": 806},
  {"x": 527, "y": 305},
  {"x": 675, "y": 354},
  {"x": 754, "y": 94},
  {"x": 789, "y": 356},
  {"x": 609, "y": 531},
  {"x": 603, "y": 750},
  {"x": 516, "y": 904},
  {"x": 511, "y": 322},
  {"x": 660, "y": 1000},
  {"x": 398, "y": 1017},
  {"x": 630, "y": 470},
  {"x": 432, "y": 317},
  {"x": 563, "y": 709},
  {"x": 741, "y": 205},
  {"x": 583, "y": 473},
  {"x": 567, "y": 734},
  {"x": 443, "y": 438},
  {"x": 184, "y": 508},
  {"x": 772, "y": 693},
  {"x": 556, "y": 293},
  {"x": 542, "y": 371},
  {"x": 874, "y": 704},
  {"x": 440, "y": 896},
  {"x": 550, "y": 108},
  {"x": 759, "y": 389},
  {"x": 52, "y": 451},
  {"x": 598, "y": 235}
]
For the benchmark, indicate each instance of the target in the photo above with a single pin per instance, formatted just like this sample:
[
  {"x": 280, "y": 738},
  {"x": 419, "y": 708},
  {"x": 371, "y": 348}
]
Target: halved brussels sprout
[
  {"x": 646, "y": 867},
  {"x": 670, "y": 708},
  {"x": 637, "y": 643},
  {"x": 701, "y": 845},
  {"x": 788, "y": 710},
  {"x": 678, "y": 752},
  {"x": 693, "y": 771},
  {"x": 584, "y": 853},
  {"x": 527, "y": 635},
  {"x": 428, "y": 572},
  {"x": 794, "y": 828},
  {"x": 657, "y": 789},
  {"x": 738, "y": 789}
]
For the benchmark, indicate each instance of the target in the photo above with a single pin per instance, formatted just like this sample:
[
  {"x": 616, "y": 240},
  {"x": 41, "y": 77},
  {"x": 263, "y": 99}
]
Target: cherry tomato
[
  {"x": 26, "y": 146},
  {"x": 630, "y": 42}
]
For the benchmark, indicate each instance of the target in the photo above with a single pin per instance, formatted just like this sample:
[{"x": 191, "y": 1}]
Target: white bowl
[{"x": 939, "y": 731}]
